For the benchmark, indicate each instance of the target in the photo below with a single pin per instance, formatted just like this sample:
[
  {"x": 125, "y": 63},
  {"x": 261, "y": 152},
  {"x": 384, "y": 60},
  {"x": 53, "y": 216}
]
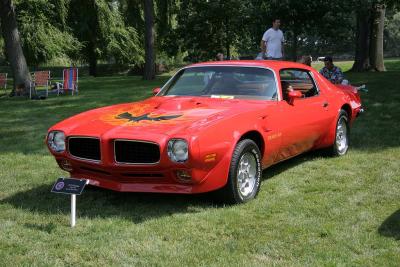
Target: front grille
[
  {"x": 84, "y": 148},
  {"x": 136, "y": 152}
]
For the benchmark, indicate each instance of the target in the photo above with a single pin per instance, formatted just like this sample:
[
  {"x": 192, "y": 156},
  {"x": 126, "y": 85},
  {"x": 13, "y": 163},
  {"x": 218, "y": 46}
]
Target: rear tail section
[{"x": 355, "y": 98}]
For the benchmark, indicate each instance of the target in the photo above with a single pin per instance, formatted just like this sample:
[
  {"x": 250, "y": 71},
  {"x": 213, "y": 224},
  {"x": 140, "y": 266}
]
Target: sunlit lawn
[{"x": 311, "y": 210}]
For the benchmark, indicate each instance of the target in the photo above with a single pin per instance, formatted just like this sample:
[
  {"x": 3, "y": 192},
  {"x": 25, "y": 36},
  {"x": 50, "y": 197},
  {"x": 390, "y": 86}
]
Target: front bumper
[{"x": 160, "y": 178}]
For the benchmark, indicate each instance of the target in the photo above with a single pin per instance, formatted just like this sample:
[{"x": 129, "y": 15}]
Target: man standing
[
  {"x": 272, "y": 42},
  {"x": 331, "y": 72}
]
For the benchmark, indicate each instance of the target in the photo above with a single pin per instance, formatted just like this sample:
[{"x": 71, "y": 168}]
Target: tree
[
  {"x": 149, "y": 69},
  {"x": 392, "y": 34},
  {"x": 376, "y": 39},
  {"x": 13, "y": 47},
  {"x": 369, "y": 34},
  {"x": 361, "y": 59},
  {"x": 44, "y": 33},
  {"x": 207, "y": 28},
  {"x": 313, "y": 27},
  {"x": 101, "y": 29}
]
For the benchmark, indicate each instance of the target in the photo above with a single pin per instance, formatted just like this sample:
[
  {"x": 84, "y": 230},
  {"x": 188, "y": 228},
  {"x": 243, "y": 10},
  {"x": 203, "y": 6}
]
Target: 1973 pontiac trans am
[{"x": 212, "y": 127}]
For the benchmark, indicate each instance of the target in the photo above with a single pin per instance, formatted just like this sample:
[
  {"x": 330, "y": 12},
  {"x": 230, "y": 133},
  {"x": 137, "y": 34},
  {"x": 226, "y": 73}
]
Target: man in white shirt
[{"x": 272, "y": 42}]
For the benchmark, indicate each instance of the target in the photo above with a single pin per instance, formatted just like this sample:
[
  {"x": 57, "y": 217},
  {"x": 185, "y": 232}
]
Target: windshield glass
[{"x": 223, "y": 82}]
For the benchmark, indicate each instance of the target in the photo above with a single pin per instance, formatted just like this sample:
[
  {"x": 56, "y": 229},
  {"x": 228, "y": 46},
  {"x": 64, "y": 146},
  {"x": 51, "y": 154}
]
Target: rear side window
[{"x": 298, "y": 80}]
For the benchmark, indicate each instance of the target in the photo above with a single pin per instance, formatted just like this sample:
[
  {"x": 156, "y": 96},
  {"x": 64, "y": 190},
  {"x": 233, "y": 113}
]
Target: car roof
[{"x": 272, "y": 64}]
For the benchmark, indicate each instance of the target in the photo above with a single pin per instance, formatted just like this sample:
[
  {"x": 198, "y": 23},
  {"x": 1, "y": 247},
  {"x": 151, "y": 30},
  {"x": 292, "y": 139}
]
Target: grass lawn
[{"x": 311, "y": 210}]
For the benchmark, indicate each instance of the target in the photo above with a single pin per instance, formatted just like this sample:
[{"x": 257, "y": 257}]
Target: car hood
[{"x": 157, "y": 115}]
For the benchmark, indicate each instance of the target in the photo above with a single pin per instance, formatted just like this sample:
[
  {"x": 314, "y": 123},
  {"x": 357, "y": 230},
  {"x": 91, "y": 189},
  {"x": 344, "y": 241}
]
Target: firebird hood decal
[
  {"x": 141, "y": 114},
  {"x": 157, "y": 115},
  {"x": 128, "y": 116}
]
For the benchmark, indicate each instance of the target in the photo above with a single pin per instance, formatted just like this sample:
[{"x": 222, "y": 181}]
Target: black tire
[
  {"x": 232, "y": 193},
  {"x": 340, "y": 145}
]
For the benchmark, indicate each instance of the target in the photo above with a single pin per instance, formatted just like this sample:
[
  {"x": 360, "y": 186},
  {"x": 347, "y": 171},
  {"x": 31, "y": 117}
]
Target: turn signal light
[
  {"x": 65, "y": 165},
  {"x": 184, "y": 176}
]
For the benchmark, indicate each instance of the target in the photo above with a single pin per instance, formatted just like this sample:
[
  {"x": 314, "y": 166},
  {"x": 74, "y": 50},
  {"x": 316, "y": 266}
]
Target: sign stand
[
  {"x": 73, "y": 187},
  {"x": 73, "y": 210}
]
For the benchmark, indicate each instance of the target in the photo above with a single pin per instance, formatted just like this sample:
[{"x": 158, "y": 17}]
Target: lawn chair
[
  {"x": 3, "y": 81},
  {"x": 40, "y": 79},
  {"x": 70, "y": 81}
]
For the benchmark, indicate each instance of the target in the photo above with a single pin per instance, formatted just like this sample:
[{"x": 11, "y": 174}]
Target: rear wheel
[
  {"x": 342, "y": 134},
  {"x": 244, "y": 174}
]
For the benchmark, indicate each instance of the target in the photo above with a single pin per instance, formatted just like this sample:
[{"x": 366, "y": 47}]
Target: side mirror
[
  {"x": 156, "y": 90},
  {"x": 292, "y": 95}
]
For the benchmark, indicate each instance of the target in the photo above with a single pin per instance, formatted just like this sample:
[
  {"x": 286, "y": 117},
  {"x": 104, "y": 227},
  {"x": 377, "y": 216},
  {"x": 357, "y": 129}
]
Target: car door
[{"x": 303, "y": 119}]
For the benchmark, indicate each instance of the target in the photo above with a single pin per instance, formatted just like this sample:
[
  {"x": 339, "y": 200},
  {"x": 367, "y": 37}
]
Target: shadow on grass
[
  {"x": 100, "y": 203},
  {"x": 391, "y": 226},
  {"x": 285, "y": 165},
  {"x": 136, "y": 207}
]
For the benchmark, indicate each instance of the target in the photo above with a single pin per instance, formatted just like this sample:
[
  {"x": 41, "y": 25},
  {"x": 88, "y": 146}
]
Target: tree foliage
[
  {"x": 208, "y": 27},
  {"x": 100, "y": 27},
  {"x": 93, "y": 31},
  {"x": 392, "y": 35},
  {"x": 13, "y": 48},
  {"x": 44, "y": 33}
]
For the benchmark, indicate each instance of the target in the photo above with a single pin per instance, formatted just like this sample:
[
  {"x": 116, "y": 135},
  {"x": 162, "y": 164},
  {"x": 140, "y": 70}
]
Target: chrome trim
[
  {"x": 138, "y": 141},
  {"x": 315, "y": 83},
  {"x": 85, "y": 159},
  {"x": 227, "y": 65}
]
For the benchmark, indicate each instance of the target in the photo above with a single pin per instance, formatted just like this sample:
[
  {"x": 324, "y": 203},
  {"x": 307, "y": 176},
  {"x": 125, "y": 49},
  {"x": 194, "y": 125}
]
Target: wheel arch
[
  {"x": 256, "y": 137},
  {"x": 346, "y": 107}
]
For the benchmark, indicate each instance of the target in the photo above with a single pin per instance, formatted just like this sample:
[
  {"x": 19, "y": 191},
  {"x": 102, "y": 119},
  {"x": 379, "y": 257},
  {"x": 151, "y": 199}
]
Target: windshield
[{"x": 223, "y": 82}]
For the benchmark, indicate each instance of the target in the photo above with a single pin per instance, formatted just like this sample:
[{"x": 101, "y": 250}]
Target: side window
[{"x": 297, "y": 80}]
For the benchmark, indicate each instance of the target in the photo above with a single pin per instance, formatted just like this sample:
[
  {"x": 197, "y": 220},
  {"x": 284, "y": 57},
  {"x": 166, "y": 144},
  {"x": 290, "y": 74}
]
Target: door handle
[{"x": 325, "y": 104}]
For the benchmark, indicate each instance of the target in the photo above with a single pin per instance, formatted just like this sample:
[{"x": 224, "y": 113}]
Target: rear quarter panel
[{"x": 339, "y": 97}]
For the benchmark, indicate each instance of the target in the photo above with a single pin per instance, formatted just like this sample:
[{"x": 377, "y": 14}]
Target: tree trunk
[
  {"x": 361, "y": 61},
  {"x": 228, "y": 50},
  {"x": 92, "y": 59},
  {"x": 13, "y": 48},
  {"x": 376, "y": 41},
  {"x": 149, "y": 67}
]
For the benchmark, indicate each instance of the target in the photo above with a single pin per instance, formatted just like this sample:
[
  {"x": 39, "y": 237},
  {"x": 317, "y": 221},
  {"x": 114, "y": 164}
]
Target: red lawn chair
[
  {"x": 40, "y": 79},
  {"x": 3, "y": 81},
  {"x": 70, "y": 81}
]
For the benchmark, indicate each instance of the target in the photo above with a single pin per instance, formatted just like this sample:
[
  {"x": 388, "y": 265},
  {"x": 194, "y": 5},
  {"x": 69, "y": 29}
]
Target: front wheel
[
  {"x": 244, "y": 174},
  {"x": 342, "y": 134}
]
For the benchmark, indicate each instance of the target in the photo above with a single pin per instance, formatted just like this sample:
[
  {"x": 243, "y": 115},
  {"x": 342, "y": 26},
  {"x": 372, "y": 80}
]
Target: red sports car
[{"x": 212, "y": 126}]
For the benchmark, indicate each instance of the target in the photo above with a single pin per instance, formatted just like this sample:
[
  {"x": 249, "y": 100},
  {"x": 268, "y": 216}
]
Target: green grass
[{"x": 311, "y": 210}]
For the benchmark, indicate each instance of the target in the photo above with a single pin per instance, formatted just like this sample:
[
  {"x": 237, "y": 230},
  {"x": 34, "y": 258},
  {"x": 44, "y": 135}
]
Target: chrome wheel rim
[
  {"x": 341, "y": 136},
  {"x": 246, "y": 174}
]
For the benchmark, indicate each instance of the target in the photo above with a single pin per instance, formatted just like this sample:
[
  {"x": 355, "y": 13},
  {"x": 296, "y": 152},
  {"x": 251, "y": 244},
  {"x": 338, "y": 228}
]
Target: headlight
[
  {"x": 56, "y": 141},
  {"x": 178, "y": 150}
]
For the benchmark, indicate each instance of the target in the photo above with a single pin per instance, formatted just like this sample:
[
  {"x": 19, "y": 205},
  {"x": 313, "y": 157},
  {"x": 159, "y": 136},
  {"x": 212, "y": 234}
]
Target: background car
[{"x": 212, "y": 126}]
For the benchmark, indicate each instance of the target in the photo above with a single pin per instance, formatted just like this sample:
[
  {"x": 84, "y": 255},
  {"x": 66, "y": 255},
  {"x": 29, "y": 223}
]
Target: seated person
[
  {"x": 306, "y": 60},
  {"x": 286, "y": 88},
  {"x": 331, "y": 72},
  {"x": 219, "y": 57}
]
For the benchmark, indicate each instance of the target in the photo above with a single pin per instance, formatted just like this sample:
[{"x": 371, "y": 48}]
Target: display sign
[{"x": 69, "y": 186}]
